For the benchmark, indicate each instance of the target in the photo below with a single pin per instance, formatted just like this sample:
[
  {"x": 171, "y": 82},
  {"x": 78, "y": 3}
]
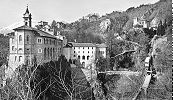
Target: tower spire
[{"x": 27, "y": 17}]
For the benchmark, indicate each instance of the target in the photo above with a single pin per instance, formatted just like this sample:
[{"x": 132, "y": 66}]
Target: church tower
[{"x": 27, "y": 18}]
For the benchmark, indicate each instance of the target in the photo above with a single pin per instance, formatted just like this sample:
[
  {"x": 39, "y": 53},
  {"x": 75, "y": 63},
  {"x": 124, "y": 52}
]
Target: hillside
[{"x": 95, "y": 29}]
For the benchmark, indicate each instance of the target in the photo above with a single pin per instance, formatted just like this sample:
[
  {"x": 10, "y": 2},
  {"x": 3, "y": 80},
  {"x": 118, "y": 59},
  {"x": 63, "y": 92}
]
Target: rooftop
[
  {"x": 88, "y": 45},
  {"x": 82, "y": 44},
  {"x": 40, "y": 32}
]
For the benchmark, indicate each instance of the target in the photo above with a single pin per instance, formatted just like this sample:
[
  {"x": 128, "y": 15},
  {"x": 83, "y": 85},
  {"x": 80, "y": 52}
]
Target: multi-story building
[
  {"x": 85, "y": 53},
  {"x": 28, "y": 44},
  {"x": 142, "y": 22}
]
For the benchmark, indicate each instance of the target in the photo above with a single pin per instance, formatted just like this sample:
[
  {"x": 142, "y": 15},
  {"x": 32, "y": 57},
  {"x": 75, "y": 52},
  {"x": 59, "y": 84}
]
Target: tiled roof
[
  {"x": 88, "y": 45},
  {"x": 83, "y": 44},
  {"x": 40, "y": 32},
  {"x": 24, "y": 27},
  {"x": 44, "y": 34},
  {"x": 103, "y": 45}
]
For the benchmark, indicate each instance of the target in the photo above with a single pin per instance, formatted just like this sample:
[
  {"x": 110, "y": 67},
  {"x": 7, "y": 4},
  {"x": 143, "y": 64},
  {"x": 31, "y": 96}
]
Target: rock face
[
  {"x": 104, "y": 24},
  {"x": 161, "y": 51}
]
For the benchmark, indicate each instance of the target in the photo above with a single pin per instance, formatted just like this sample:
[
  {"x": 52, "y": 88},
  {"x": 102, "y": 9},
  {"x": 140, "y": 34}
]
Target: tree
[
  {"x": 4, "y": 49},
  {"x": 101, "y": 64},
  {"x": 52, "y": 80},
  {"x": 18, "y": 86},
  {"x": 61, "y": 81},
  {"x": 160, "y": 29}
]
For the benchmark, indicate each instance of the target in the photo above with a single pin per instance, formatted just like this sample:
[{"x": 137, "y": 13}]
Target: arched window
[
  {"x": 51, "y": 53},
  {"x": 48, "y": 53},
  {"x": 27, "y": 38},
  {"x": 88, "y": 57},
  {"x": 83, "y": 57},
  {"x": 79, "y": 57},
  {"x": 83, "y": 64},
  {"x": 74, "y": 62},
  {"x": 26, "y": 23},
  {"x": 20, "y": 38},
  {"x": 44, "y": 53}
]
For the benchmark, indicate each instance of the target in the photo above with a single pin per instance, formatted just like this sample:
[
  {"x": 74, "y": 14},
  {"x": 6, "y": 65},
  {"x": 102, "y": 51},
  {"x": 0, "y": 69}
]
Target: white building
[
  {"x": 85, "y": 53},
  {"x": 144, "y": 23}
]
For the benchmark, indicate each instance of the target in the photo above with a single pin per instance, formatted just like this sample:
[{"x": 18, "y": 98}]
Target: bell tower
[{"x": 27, "y": 18}]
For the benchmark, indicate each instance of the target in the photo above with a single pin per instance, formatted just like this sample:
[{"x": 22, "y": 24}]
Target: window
[
  {"x": 20, "y": 38},
  {"x": 45, "y": 53},
  {"x": 74, "y": 56},
  {"x": 88, "y": 52},
  {"x": 27, "y": 49},
  {"x": 44, "y": 41},
  {"x": 39, "y": 40},
  {"x": 27, "y": 38},
  {"x": 26, "y": 23},
  {"x": 39, "y": 50},
  {"x": 74, "y": 61},
  {"x": 15, "y": 58},
  {"x": 20, "y": 58},
  {"x": 78, "y": 51},
  {"x": 12, "y": 48},
  {"x": 88, "y": 47},
  {"x": 83, "y": 57},
  {"x": 83, "y": 51},
  {"x": 88, "y": 57},
  {"x": 79, "y": 47},
  {"x": 78, "y": 57},
  {"x": 74, "y": 47},
  {"x": 48, "y": 53},
  {"x": 92, "y": 47},
  {"x": 74, "y": 52},
  {"x": 83, "y": 47},
  {"x": 92, "y": 51},
  {"x": 51, "y": 53},
  {"x": 20, "y": 49}
]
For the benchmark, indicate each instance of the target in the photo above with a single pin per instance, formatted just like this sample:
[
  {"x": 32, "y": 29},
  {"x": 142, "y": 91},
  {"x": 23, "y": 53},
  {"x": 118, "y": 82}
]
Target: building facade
[
  {"x": 29, "y": 45},
  {"x": 142, "y": 22},
  {"x": 85, "y": 53}
]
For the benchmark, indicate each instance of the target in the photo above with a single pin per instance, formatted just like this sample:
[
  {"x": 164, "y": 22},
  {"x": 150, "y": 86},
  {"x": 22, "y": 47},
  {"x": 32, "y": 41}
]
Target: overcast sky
[{"x": 11, "y": 11}]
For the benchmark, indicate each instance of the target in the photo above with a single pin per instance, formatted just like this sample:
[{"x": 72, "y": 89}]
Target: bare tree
[{"x": 19, "y": 85}]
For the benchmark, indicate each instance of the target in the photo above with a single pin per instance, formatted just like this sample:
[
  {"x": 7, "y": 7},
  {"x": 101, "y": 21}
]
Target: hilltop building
[
  {"x": 29, "y": 45},
  {"x": 141, "y": 22},
  {"x": 145, "y": 22},
  {"x": 85, "y": 53}
]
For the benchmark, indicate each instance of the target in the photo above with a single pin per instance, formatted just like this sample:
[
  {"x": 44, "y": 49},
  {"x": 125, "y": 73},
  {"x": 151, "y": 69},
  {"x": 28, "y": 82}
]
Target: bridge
[{"x": 121, "y": 72}]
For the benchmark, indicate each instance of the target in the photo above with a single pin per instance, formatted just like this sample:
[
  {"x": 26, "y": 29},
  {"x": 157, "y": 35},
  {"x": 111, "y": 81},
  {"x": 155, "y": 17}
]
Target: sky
[{"x": 11, "y": 11}]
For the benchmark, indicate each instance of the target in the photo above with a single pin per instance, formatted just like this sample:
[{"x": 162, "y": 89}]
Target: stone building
[
  {"x": 85, "y": 53},
  {"x": 141, "y": 22},
  {"x": 28, "y": 44}
]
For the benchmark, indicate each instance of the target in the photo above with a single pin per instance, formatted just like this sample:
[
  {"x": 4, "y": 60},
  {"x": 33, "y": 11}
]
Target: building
[
  {"x": 85, "y": 53},
  {"x": 141, "y": 22},
  {"x": 29, "y": 45}
]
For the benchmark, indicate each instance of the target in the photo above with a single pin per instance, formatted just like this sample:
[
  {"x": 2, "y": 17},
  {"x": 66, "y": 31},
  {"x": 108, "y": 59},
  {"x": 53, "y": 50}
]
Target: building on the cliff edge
[
  {"x": 141, "y": 22},
  {"x": 84, "y": 53},
  {"x": 28, "y": 44}
]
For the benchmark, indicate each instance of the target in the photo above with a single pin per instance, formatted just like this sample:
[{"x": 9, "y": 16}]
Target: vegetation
[
  {"x": 50, "y": 81},
  {"x": 4, "y": 48}
]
